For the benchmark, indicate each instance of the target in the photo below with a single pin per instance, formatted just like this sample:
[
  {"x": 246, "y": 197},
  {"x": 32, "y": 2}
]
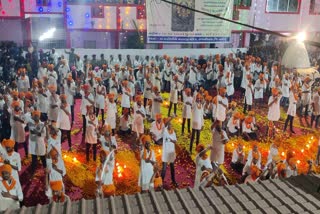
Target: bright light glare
[
  {"x": 48, "y": 34},
  {"x": 301, "y": 36}
]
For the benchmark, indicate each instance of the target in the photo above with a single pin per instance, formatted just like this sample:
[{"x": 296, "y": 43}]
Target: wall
[
  {"x": 103, "y": 39},
  {"x": 10, "y": 8},
  {"x": 80, "y": 17},
  {"x": 15, "y": 33},
  {"x": 283, "y": 22},
  {"x": 30, "y": 6}
]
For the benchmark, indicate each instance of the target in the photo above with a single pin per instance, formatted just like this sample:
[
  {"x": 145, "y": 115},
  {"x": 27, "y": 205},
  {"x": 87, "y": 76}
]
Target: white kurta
[
  {"x": 53, "y": 113},
  {"x": 100, "y": 97},
  {"x": 64, "y": 121},
  {"x": 107, "y": 177},
  {"x": 221, "y": 110},
  {"x": 292, "y": 109},
  {"x": 286, "y": 84},
  {"x": 85, "y": 102},
  {"x": 156, "y": 106},
  {"x": 316, "y": 104},
  {"x": 199, "y": 164},
  {"x": 70, "y": 92},
  {"x": 125, "y": 99},
  {"x": 248, "y": 94},
  {"x": 42, "y": 103},
  {"x": 274, "y": 109},
  {"x": 229, "y": 84},
  {"x": 217, "y": 152},
  {"x": 91, "y": 134},
  {"x": 111, "y": 114},
  {"x": 17, "y": 128},
  {"x": 259, "y": 86},
  {"x": 147, "y": 89},
  {"x": 197, "y": 116},
  {"x": 105, "y": 144},
  {"x": 232, "y": 125},
  {"x": 137, "y": 125},
  {"x": 249, "y": 159},
  {"x": 306, "y": 97},
  {"x": 272, "y": 153},
  {"x": 146, "y": 170},
  {"x": 236, "y": 154},
  {"x": 157, "y": 130},
  {"x": 186, "y": 110},
  {"x": 52, "y": 78},
  {"x": 168, "y": 148},
  {"x": 8, "y": 203},
  {"x": 15, "y": 160},
  {"x": 37, "y": 144},
  {"x": 174, "y": 92}
]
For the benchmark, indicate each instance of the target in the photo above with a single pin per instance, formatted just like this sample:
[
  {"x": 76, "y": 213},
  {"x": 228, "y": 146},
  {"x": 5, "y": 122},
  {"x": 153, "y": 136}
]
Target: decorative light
[
  {"x": 282, "y": 153},
  {"x": 301, "y": 36},
  {"x": 232, "y": 144},
  {"x": 125, "y": 166},
  {"x": 120, "y": 175},
  {"x": 311, "y": 137},
  {"x": 180, "y": 120},
  {"x": 48, "y": 34},
  {"x": 67, "y": 9},
  {"x": 302, "y": 150},
  {"x": 87, "y": 15},
  {"x": 298, "y": 161},
  {"x": 40, "y": 9},
  {"x": 74, "y": 159},
  {"x": 65, "y": 156},
  {"x": 308, "y": 146},
  {"x": 3, "y": 12},
  {"x": 70, "y": 23}
]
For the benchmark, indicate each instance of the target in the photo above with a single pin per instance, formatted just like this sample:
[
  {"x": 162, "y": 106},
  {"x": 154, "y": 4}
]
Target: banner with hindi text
[{"x": 167, "y": 23}]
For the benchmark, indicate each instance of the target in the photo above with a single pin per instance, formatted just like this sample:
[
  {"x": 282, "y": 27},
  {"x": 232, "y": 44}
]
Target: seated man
[
  {"x": 254, "y": 161},
  {"x": 248, "y": 129},
  {"x": 10, "y": 189},
  {"x": 233, "y": 125},
  {"x": 237, "y": 161}
]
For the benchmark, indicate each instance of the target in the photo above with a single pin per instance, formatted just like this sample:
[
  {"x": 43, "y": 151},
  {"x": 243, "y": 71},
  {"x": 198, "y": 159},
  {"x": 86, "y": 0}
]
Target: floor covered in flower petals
[{"x": 79, "y": 181}]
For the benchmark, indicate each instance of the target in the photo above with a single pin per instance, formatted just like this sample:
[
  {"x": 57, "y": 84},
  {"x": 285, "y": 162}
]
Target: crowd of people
[{"x": 37, "y": 113}]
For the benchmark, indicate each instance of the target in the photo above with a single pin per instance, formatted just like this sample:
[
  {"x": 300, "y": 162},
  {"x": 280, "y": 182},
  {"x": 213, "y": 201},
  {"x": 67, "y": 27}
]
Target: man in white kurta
[
  {"x": 219, "y": 139},
  {"x": 147, "y": 157},
  {"x": 111, "y": 112},
  {"x": 37, "y": 134},
  {"x": 11, "y": 193},
  {"x": 12, "y": 158},
  {"x": 139, "y": 114},
  {"x": 169, "y": 152},
  {"x": 64, "y": 122},
  {"x": 197, "y": 120},
  {"x": 156, "y": 129},
  {"x": 222, "y": 105},
  {"x": 274, "y": 105},
  {"x": 70, "y": 91},
  {"x": 286, "y": 85}
]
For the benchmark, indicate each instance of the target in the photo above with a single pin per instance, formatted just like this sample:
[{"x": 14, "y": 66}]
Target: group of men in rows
[{"x": 45, "y": 110}]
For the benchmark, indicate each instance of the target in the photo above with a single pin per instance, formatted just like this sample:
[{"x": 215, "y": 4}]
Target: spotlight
[
  {"x": 301, "y": 36},
  {"x": 48, "y": 34},
  {"x": 87, "y": 15},
  {"x": 70, "y": 23},
  {"x": 40, "y": 9}
]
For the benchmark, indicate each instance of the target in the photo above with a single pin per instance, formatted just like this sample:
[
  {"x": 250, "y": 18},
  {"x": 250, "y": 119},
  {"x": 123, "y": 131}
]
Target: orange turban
[
  {"x": 86, "y": 87},
  {"x": 29, "y": 95},
  {"x": 63, "y": 96},
  {"x": 205, "y": 93},
  {"x": 158, "y": 116},
  {"x": 15, "y": 104},
  {"x": 274, "y": 91},
  {"x": 106, "y": 127},
  {"x": 307, "y": 79},
  {"x": 36, "y": 113},
  {"x": 8, "y": 143},
  {"x": 5, "y": 168},
  {"x": 175, "y": 77},
  {"x": 56, "y": 185},
  {"x": 98, "y": 79},
  {"x": 292, "y": 162},
  {"x": 248, "y": 120},
  {"x": 199, "y": 96},
  {"x": 14, "y": 93},
  {"x": 165, "y": 120},
  {"x": 21, "y": 94},
  {"x": 187, "y": 90},
  {"x": 69, "y": 78},
  {"x": 222, "y": 90},
  {"x": 138, "y": 98},
  {"x": 50, "y": 66},
  {"x": 200, "y": 148},
  {"x": 111, "y": 95},
  {"x": 208, "y": 98},
  {"x": 125, "y": 83},
  {"x": 236, "y": 115},
  {"x": 146, "y": 138}
]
